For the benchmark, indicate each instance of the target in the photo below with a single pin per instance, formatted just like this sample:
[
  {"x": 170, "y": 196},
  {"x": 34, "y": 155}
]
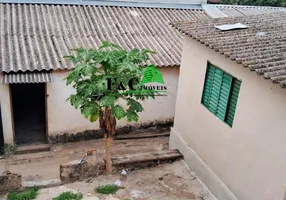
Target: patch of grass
[
  {"x": 107, "y": 189},
  {"x": 69, "y": 196},
  {"x": 29, "y": 194}
]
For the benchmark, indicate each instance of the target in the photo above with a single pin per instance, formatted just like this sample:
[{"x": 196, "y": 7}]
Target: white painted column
[{"x": 6, "y": 114}]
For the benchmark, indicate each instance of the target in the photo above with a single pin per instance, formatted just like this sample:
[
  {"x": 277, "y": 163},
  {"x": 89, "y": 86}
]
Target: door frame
[
  {"x": 46, "y": 113},
  {"x": 12, "y": 111}
]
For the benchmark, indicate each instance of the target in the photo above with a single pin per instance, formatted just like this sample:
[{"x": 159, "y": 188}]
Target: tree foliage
[
  {"x": 278, "y": 3},
  {"x": 94, "y": 68},
  {"x": 107, "y": 85}
]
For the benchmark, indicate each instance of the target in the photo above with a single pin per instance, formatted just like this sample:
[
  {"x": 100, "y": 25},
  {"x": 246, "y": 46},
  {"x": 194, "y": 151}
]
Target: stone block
[
  {"x": 75, "y": 171},
  {"x": 10, "y": 182}
]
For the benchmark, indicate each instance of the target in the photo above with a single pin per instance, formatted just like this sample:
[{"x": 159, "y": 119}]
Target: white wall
[
  {"x": 62, "y": 117},
  {"x": 249, "y": 157}
]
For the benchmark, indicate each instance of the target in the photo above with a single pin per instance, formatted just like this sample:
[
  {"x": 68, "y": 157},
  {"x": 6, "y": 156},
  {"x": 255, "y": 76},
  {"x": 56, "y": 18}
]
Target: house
[
  {"x": 230, "y": 109},
  {"x": 35, "y": 36}
]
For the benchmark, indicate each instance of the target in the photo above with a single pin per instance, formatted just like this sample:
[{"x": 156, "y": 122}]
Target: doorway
[{"x": 29, "y": 112}]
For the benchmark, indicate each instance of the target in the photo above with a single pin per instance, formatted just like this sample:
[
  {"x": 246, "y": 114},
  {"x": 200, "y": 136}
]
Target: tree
[{"x": 106, "y": 81}]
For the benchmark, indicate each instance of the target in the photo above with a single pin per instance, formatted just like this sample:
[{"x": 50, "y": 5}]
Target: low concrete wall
[{"x": 158, "y": 126}]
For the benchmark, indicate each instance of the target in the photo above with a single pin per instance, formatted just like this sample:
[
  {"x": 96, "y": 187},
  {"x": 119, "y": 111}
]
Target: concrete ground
[{"x": 174, "y": 181}]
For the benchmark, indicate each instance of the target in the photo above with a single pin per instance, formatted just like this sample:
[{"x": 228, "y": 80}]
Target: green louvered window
[{"x": 220, "y": 93}]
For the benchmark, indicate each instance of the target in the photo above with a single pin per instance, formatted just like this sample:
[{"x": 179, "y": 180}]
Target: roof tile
[
  {"x": 37, "y": 36},
  {"x": 263, "y": 53},
  {"x": 241, "y": 10}
]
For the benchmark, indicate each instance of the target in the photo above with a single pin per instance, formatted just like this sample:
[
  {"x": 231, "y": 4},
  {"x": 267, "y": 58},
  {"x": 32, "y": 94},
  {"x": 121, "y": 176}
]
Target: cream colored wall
[
  {"x": 249, "y": 157},
  {"x": 62, "y": 117},
  {"x": 6, "y": 114}
]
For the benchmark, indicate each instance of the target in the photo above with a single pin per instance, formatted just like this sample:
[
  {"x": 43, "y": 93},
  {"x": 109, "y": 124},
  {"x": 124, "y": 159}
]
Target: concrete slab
[{"x": 42, "y": 184}]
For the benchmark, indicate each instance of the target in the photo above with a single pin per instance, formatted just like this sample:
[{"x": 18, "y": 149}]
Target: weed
[
  {"x": 107, "y": 189},
  {"x": 9, "y": 151},
  {"x": 69, "y": 196},
  {"x": 29, "y": 194}
]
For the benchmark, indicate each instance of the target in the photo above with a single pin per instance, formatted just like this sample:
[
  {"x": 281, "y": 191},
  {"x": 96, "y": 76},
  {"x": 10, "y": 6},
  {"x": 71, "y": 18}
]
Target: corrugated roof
[
  {"x": 182, "y": 4},
  {"x": 239, "y": 11},
  {"x": 261, "y": 47},
  {"x": 29, "y": 77},
  {"x": 36, "y": 37}
]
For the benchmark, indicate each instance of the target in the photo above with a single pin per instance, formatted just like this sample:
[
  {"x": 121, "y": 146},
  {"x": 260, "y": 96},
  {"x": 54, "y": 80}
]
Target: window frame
[{"x": 229, "y": 94}]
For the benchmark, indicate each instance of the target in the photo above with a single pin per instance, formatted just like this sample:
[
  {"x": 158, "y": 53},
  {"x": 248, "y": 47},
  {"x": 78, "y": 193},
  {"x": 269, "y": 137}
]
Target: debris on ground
[
  {"x": 117, "y": 183},
  {"x": 123, "y": 176}
]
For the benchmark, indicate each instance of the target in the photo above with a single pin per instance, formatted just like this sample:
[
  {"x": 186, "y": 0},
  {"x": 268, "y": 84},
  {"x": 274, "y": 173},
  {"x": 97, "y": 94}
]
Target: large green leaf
[
  {"x": 134, "y": 106},
  {"x": 118, "y": 112},
  {"x": 89, "y": 109},
  {"x": 132, "y": 116},
  {"x": 75, "y": 100},
  {"x": 93, "y": 118},
  {"x": 107, "y": 101}
]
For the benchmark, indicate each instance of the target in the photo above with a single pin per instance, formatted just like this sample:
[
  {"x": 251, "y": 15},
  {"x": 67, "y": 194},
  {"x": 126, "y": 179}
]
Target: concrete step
[
  {"x": 140, "y": 136},
  {"x": 35, "y": 148},
  {"x": 142, "y": 160},
  {"x": 24, "y": 158}
]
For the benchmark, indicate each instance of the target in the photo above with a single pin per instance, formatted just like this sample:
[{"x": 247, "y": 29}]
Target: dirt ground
[
  {"x": 164, "y": 182},
  {"x": 45, "y": 165},
  {"x": 174, "y": 181}
]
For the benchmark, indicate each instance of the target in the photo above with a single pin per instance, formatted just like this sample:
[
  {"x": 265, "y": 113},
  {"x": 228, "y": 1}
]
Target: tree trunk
[
  {"x": 107, "y": 124},
  {"x": 108, "y": 141}
]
